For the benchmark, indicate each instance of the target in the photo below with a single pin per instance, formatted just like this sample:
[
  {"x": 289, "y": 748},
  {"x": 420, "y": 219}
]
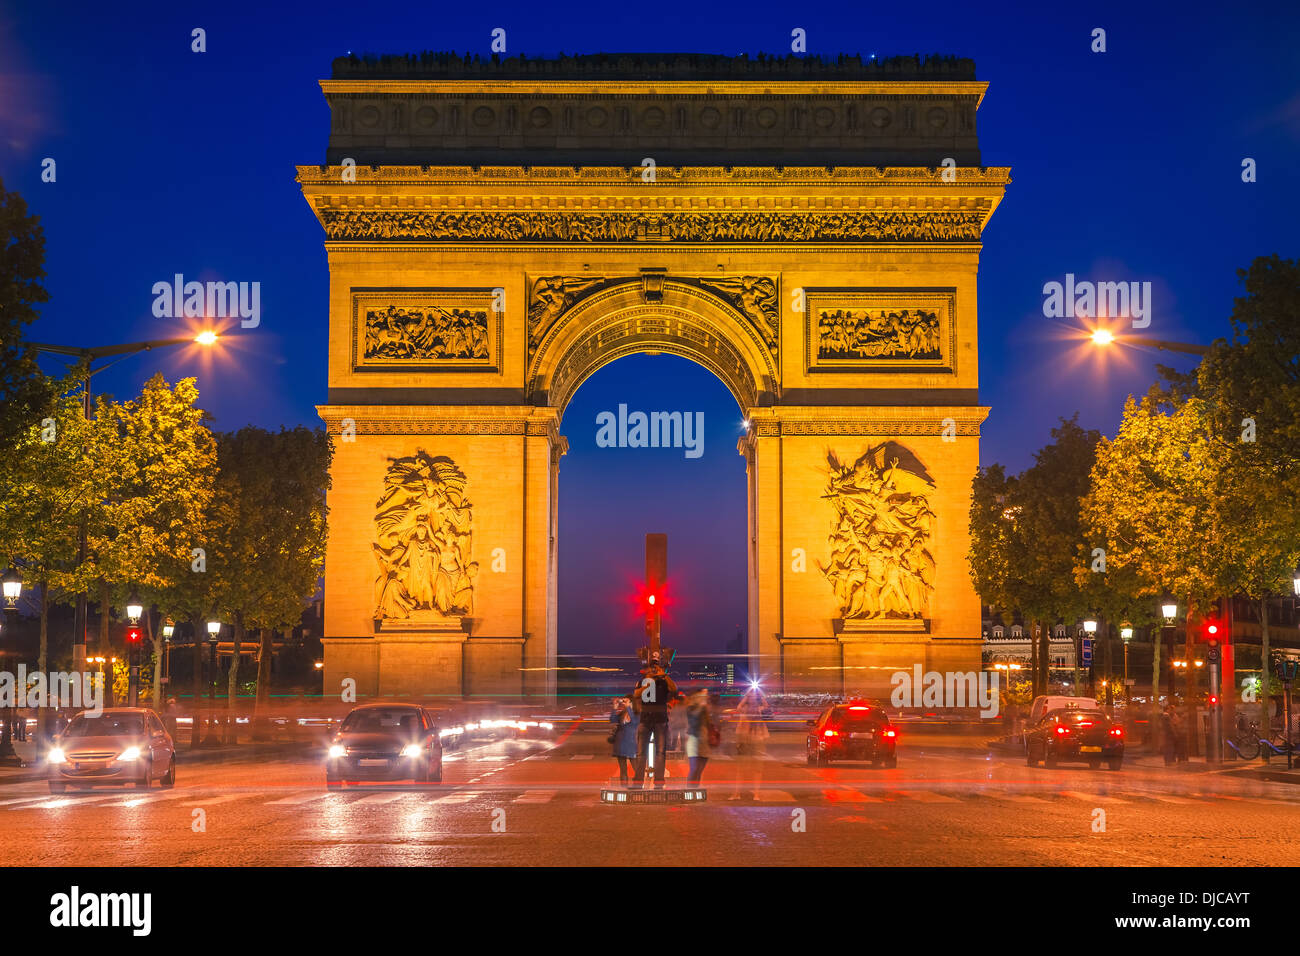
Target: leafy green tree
[
  {"x": 267, "y": 534},
  {"x": 25, "y": 393}
]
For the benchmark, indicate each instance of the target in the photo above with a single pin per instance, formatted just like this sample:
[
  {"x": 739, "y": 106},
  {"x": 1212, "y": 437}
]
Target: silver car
[{"x": 121, "y": 745}]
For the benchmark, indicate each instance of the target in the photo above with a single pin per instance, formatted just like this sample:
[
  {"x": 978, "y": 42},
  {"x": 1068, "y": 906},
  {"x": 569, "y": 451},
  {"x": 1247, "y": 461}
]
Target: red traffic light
[
  {"x": 1214, "y": 700},
  {"x": 133, "y": 635},
  {"x": 1214, "y": 631}
]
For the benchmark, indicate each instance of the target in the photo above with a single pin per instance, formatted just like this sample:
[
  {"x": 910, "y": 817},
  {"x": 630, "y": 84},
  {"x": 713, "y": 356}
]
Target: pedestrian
[
  {"x": 701, "y": 733},
  {"x": 20, "y": 725},
  {"x": 650, "y": 700},
  {"x": 1180, "y": 736},
  {"x": 623, "y": 736},
  {"x": 1167, "y": 732},
  {"x": 751, "y": 741}
]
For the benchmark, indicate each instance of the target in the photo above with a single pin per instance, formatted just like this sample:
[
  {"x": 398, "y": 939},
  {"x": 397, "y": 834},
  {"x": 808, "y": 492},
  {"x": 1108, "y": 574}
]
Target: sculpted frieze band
[{"x": 476, "y": 226}]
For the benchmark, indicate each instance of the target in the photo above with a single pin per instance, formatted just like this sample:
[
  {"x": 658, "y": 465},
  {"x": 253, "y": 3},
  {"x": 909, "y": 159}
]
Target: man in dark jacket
[{"x": 651, "y": 698}]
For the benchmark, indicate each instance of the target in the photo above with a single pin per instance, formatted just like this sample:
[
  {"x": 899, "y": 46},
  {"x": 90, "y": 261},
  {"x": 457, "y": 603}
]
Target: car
[
  {"x": 852, "y": 731},
  {"x": 385, "y": 742},
  {"x": 1042, "y": 705},
  {"x": 118, "y": 745},
  {"x": 1077, "y": 736}
]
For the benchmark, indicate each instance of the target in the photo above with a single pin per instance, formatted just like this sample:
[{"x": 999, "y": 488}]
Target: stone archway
[
  {"x": 678, "y": 317},
  {"x": 822, "y": 266}
]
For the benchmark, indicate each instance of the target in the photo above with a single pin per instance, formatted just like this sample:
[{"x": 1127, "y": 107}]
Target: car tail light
[
  {"x": 829, "y": 733},
  {"x": 891, "y": 732},
  {"x": 859, "y": 707},
  {"x": 1062, "y": 731},
  {"x": 1117, "y": 731},
  {"x": 1085, "y": 723}
]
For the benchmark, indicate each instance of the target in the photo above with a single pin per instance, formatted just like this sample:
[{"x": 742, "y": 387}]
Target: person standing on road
[
  {"x": 699, "y": 728},
  {"x": 623, "y": 736},
  {"x": 651, "y": 699},
  {"x": 1167, "y": 731},
  {"x": 751, "y": 741}
]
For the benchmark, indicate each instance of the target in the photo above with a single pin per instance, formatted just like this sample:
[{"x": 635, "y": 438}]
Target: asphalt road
[{"x": 518, "y": 802}]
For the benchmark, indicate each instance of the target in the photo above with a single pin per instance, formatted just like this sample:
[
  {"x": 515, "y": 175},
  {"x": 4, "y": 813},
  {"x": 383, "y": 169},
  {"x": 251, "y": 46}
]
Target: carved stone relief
[{"x": 880, "y": 566}]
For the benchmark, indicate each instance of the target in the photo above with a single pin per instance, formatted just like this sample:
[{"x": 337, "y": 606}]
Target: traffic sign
[{"x": 1087, "y": 650}]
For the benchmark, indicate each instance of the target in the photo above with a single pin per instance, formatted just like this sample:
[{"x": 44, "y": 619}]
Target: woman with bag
[
  {"x": 701, "y": 734},
  {"x": 622, "y": 736}
]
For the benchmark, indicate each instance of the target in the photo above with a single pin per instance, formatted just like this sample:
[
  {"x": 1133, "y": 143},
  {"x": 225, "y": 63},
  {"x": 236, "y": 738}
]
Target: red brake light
[
  {"x": 829, "y": 733},
  {"x": 859, "y": 707},
  {"x": 1117, "y": 731},
  {"x": 1085, "y": 723},
  {"x": 1062, "y": 730},
  {"x": 891, "y": 732}
]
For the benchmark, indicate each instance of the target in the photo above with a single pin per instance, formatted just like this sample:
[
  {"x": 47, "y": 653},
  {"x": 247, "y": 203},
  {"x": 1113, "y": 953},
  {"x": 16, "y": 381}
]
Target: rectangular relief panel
[
  {"x": 880, "y": 330},
  {"x": 425, "y": 329}
]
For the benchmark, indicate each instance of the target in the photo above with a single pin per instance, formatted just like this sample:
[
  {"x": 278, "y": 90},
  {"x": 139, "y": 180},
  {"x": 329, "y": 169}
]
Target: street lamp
[
  {"x": 1168, "y": 609},
  {"x": 1126, "y": 635},
  {"x": 168, "y": 629},
  {"x": 13, "y": 589},
  {"x": 214, "y": 633},
  {"x": 134, "y": 607},
  {"x": 1295, "y": 580},
  {"x": 206, "y": 338},
  {"x": 1102, "y": 336}
]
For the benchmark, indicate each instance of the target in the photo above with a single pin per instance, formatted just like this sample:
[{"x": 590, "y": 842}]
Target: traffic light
[
  {"x": 1213, "y": 630},
  {"x": 1213, "y": 700},
  {"x": 133, "y": 636}
]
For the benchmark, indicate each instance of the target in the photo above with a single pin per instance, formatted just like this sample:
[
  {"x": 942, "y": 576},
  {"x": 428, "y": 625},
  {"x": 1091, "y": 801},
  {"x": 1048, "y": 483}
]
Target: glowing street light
[
  {"x": 207, "y": 337},
  {"x": 13, "y": 588}
]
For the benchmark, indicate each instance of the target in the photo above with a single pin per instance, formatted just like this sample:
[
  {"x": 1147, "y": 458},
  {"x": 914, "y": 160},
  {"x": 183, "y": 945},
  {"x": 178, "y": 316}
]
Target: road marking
[
  {"x": 925, "y": 796},
  {"x": 773, "y": 796},
  {"x": 1163, "y": 798},
  {"x": 535, "y": 796},
  {"x": 383, "y": 797},
  {"x": 206, "y": 801},
  {"x": 307, "y": 797},
  {"x": 849, "y": 796},
  {"x": 1093, "y": 797},
  {"x": 1018, "y": 798},
  {"x": 43, "y": 796},
  {"x": 583, "y": 757},
  {"x": 55, "y": 803},
  {"x": 493, "y": 759},
  {"x": 461, "y": 796},
  {"x": 152, "y": 799}
]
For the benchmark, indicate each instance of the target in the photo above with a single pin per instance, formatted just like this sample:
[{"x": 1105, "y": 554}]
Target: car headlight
[
  {"x": 130, "y": 753},
  {"x": 337, "y": 750},
  {"x": 56, "y": 755},
  {"x": 412, "y": 750}
]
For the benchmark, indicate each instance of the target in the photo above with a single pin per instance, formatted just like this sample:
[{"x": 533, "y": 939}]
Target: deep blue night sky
[{"x": 1126, "y": 165}]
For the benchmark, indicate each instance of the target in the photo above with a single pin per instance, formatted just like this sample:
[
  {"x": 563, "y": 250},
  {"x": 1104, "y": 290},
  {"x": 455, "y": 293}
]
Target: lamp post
[
  {"x": 1107, "y": 337},
  {"x": 134, "y": 609},
  {"x": 13, "y": 589},
  {"x": 214, "y": 633},
  {"x": 168, "y": 629},
  {"x": 88, "y": 356},
  {"x": 1126, "y": 635},
  {"x": 1090, "y": 629}
]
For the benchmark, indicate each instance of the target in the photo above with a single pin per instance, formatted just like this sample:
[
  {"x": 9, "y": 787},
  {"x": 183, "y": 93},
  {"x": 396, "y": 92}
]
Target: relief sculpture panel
[
  {"x": 445, "y": 330},
  {"x": 423, "y": 538},
  {"x": 880, "y": 566}
]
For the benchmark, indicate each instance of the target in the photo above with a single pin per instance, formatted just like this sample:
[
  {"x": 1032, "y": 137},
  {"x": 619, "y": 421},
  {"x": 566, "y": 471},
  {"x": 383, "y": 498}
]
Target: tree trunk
[
  {"x": 1110, "y": 696},
  {"x": 155, "y": 644},
  {"x": 196, "y": 732},
  {"x": 1189, "y": 655},
  {"x": 1154, "y": 716},
  {"x": 1265, "y": 715},
  {"x": 1045, "y": 659},
  {"x": 1034, "y": 636},
  {"x": 43, "y": 662},
  {"x": 262, "y": 720},
  {"x": 105, "y": 649},
  {"x": 232, "y": 682}
]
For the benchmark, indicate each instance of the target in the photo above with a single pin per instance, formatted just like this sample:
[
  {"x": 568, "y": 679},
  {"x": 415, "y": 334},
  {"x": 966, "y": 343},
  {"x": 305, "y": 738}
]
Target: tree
[
  {"x": 267, "y": 534},
  {"x": 25, "y": 393}
]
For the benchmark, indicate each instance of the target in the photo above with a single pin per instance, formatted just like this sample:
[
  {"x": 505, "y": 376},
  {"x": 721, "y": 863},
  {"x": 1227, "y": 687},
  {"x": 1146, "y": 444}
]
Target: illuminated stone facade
[{"x": 496, "y": 233}]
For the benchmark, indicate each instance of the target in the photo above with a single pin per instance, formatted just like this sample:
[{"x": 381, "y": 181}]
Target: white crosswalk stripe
[
  {"x": 298, "y": 798},
  {"x": 383, "y": 797},
  {"x": 535, "y": 796},
  {"x": 461, "y": 796}
]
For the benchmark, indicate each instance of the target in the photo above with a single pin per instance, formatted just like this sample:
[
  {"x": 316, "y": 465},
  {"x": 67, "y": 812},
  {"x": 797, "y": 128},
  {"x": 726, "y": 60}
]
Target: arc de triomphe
[{"x": 496, "y": 232}]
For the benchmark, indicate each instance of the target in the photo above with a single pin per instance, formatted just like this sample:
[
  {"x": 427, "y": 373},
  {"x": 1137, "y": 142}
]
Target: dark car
[
  {"x": 119, "y": 745},
  {"x": 385, "y": 742},
  {"x": 854, "y": 731},
  {"x": 1078, "y": 736}
]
